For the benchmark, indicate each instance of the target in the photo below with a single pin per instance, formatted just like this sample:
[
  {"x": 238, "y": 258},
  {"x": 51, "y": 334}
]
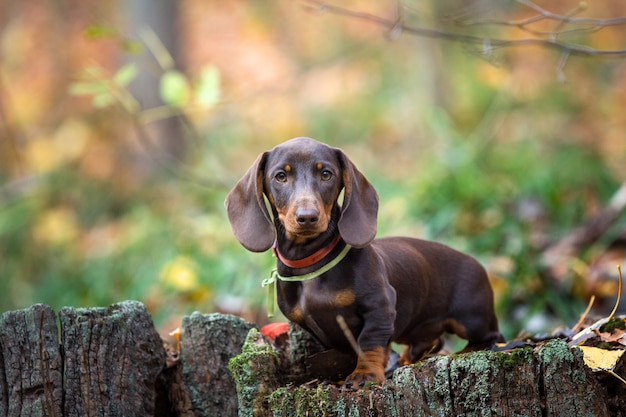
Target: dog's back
[{"x": 437, "y": 289}]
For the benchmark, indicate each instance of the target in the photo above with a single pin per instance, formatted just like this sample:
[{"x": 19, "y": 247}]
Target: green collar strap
[{"x": 270, "y": 282}]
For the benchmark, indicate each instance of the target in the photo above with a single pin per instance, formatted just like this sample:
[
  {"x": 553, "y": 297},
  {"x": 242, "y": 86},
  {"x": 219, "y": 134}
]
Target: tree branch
[
  {"x": 581, "y": 25},
  {"x": 549, "y": 40}
]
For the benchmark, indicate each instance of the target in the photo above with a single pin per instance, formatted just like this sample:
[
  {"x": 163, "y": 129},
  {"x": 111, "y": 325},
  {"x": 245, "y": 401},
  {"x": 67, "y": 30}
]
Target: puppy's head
[{"x": 302, "y": 179}]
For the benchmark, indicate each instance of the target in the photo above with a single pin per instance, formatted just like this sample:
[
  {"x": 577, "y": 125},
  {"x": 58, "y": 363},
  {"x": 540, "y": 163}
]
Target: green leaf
[
  {"x": 125, "y": 75},
  {"x": 100, "y": 31},
  {"x": 174, "y": 88},
  {"x": 208, "y": 87},
  {"x": 103, "y": 100},
  {"x": 131, "y": 46},
  {"x": 87, "y": 88}
]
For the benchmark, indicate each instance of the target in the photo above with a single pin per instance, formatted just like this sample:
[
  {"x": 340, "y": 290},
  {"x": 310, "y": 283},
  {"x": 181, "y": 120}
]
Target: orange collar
[{"x": 309, "y": 260}]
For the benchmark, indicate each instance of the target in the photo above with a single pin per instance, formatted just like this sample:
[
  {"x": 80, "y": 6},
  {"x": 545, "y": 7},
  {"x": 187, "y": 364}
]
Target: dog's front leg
[{"x": 374, "y": 339}]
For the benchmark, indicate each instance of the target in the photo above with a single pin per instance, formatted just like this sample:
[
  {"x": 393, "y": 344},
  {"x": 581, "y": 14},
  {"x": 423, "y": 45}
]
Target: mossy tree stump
[
  {"x": 111, "y": 362},
  {"x": 551, "y": 380}
]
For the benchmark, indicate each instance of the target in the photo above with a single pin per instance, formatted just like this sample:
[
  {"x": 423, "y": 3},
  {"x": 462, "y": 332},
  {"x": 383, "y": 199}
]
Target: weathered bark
[
  {"x": 110, "y": 362},
  {"x": 113, "y": 364},
  {"x": 548, "y": 381},
  {"x": 172, "y": 395},
  {"x": 207, "y": 344},
  {"x": 31, "y": 368},
  {"x": 112, "y": 359}
]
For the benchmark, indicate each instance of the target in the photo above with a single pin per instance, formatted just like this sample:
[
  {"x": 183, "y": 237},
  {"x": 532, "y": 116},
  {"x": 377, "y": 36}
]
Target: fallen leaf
[
  {"x": 600, "y": 359},
  {"x": 613, "y": 337}
]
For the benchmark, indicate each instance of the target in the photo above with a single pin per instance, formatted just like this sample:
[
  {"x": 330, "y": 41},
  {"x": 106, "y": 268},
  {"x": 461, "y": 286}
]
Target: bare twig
[
  {"x": 580, "y": 24},
  {"x": 550, "y": 39},
  {"x": 560, "y": 73},
  {"x": 617, "y": 376},
  {"x": 584, "y": 315},
  {"x": 353, "y": 343},
  {"x": 619, "y": 293}
]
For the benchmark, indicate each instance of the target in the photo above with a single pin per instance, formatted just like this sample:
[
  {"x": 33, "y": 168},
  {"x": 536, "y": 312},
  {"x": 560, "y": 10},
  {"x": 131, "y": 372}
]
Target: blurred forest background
[{"x": 124, "y": 124}]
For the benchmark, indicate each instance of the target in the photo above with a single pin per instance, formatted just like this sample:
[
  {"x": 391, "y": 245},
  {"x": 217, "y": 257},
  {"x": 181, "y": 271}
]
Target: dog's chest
[
  {"x": 318, "y": 309},
  {"x": 317, "y": 301}
]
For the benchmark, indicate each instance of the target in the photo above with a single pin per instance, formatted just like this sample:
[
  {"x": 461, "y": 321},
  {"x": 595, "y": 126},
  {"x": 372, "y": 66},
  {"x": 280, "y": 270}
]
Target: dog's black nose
[{"x": 307, "y": 216}]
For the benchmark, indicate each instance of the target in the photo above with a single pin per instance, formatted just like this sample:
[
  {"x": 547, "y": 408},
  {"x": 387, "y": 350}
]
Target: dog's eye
[
  {"x": 326, "y": 175},
  {"x": 281, "y": 177}
]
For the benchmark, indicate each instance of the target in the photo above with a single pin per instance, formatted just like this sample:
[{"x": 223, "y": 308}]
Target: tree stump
[
  {"x": 31, "y": 381},
  {"x": 111, "y": 362},
  {"x": 551, "y": 380},
  {"x": 113, "y": 356},
  {"x": 256, "y": 372},
  {"x": 111, "y": 359},
  {"x": 207, "y": 344}
]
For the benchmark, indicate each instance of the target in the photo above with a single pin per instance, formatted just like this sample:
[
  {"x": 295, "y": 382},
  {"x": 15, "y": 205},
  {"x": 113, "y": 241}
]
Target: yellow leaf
[
  {"x": 600, "y": 359},
  {"x": 41, "y": 156},
  {"x": 180, "y": 274},
  {"x": 71, "y": 138},
  {"x": 56, "y": 227},
  {"x": 45, "y": 153},
  {"x": 492, "y": 75}
]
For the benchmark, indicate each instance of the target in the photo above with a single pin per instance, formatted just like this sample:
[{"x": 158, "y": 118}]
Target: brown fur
[{"x": 398, "y": 289}]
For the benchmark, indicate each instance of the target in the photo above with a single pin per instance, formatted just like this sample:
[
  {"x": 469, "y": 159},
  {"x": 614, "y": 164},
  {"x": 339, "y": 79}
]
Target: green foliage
[
  {"x": 460, "y": 150},
  {"x": 104, "y": 91},
  {"x": 174, "y": 88}
]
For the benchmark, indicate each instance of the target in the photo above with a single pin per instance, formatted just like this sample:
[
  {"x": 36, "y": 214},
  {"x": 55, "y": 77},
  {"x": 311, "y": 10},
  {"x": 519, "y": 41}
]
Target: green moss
[
  {"x": 279, "y": 400},
  {"x": 472, "y": 378},
  {"x": 613, "y": 324},
  {"x": 516, "y": 358},
  {"x": 354, "y": 411},
  {"x": 370, "y": 385},
  {"x": 555, "y": 350},
  {"x": 339, "y": 408},
  {"x": 302, "y": 401},
  {"x": 253, "y": 372}
]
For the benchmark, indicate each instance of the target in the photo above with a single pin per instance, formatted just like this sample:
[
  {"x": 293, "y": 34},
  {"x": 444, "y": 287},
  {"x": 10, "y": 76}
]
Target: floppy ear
[
  {"x": 357, "y": 223},
  {"x": 247, "y": 213}
]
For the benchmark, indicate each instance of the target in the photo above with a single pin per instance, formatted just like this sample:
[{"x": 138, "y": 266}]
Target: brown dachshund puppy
[{"x": 399, "y": 289}]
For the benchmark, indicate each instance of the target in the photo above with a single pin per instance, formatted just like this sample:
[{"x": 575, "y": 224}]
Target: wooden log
[
  {"x": 111, "y": 363},
  {"x": 207, "y": 344},
  {"x": 30, "y": 363},
  {"x": 113, "y": 356},
  {"x": 547, "y": 381}
]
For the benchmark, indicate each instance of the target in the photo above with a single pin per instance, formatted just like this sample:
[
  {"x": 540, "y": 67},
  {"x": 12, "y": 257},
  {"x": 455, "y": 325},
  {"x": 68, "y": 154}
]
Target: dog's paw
[
  {"x": 360, "y": 379},
  {"x": 370, "y": 368}
]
